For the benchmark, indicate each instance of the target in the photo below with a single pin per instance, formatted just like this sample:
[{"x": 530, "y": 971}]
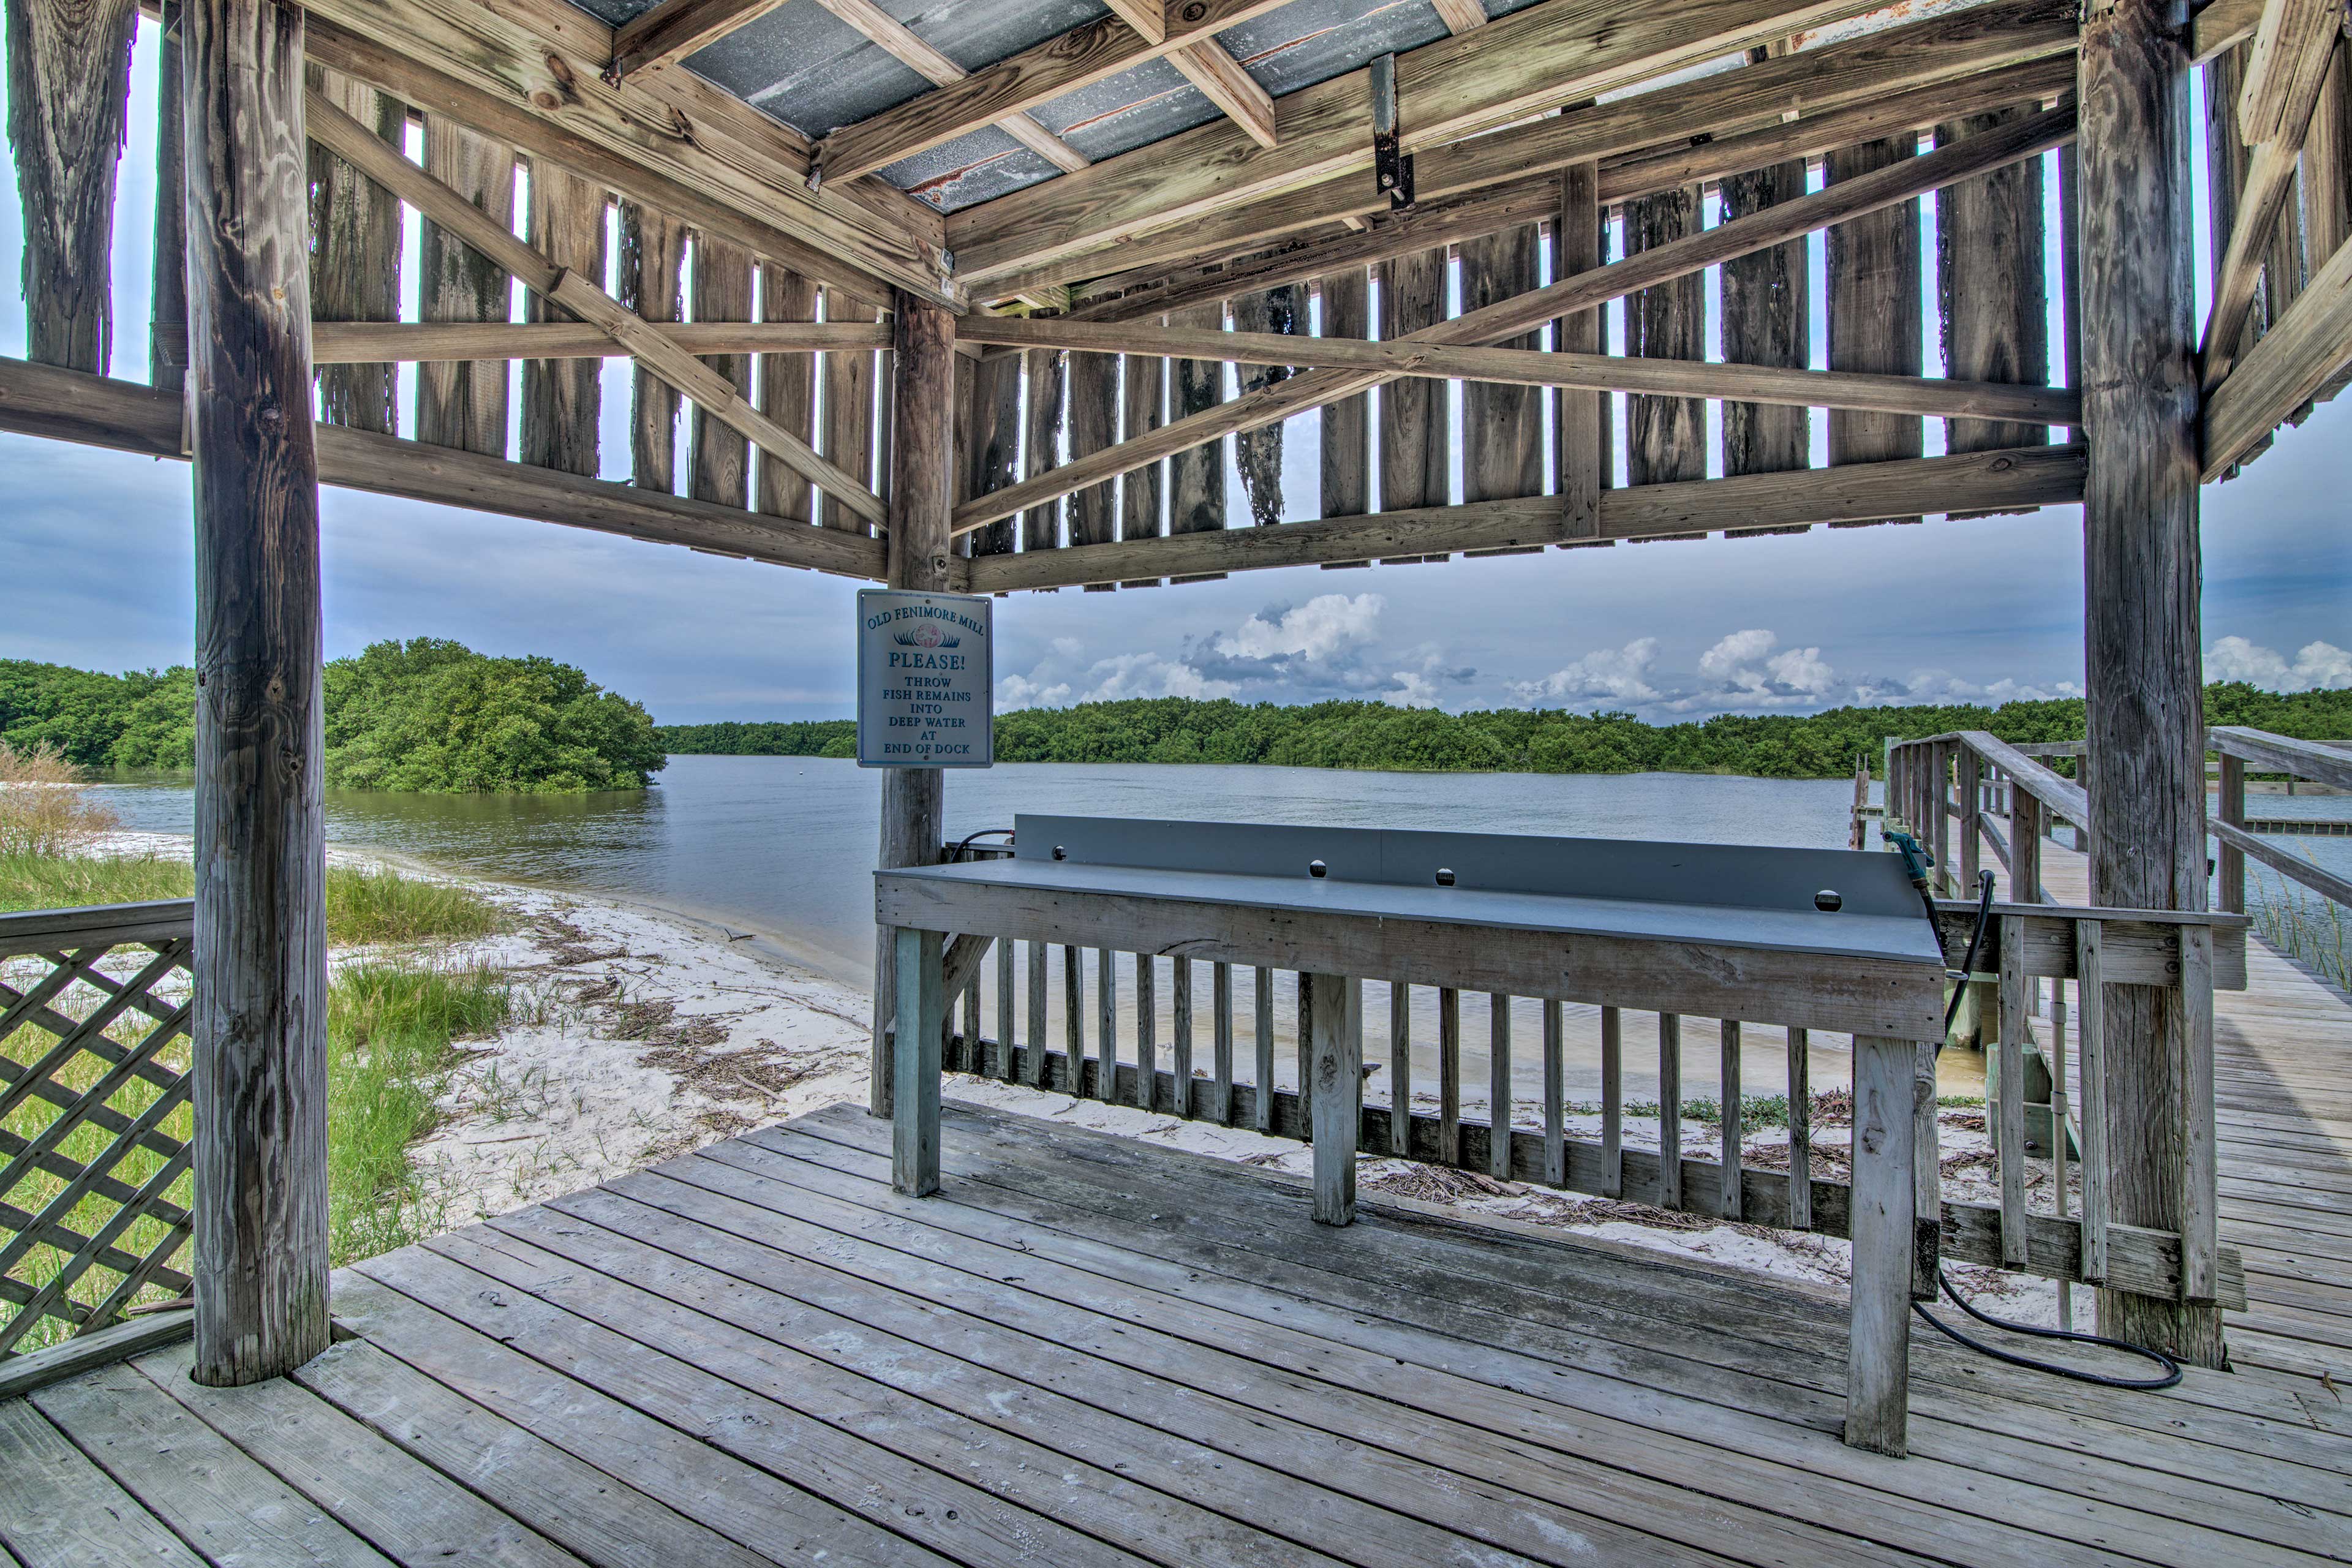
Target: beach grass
[
  {"x": 2302, "y": 924},
  {"x": 365, "y": 906}
]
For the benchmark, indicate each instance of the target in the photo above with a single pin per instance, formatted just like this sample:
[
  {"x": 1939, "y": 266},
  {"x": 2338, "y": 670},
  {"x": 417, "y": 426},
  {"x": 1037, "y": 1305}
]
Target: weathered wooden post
[
  {"x": 922, "y": 493},
  {"x": 2146, "y": 745},
  {"x": 1333, "y": 1007},
  {"x": 260, "y": 969}
]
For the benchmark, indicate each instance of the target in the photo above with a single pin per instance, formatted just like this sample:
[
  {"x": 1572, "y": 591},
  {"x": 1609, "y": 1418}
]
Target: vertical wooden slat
[
  {"x": 69, "y": 89},
  {"x": 1878, "y": 1341},
  {"x": 355, "y": 239},
  {"x": 1221, "y": 985},
  {"x": 1989, "y": 269},
  {"x": 2024, "y": 847},
  {"x": 1581, "y": 420},
  {"x": 1801, "y": 1131},
  {"x": 1665, "y": 437},
  {"x": 1970, "y": 769},
  {"x": 1729, "y": 1077},
  {"x": 2230, "y": 868},
  {"x": 2009, "y": 1112},
  {"x": 1093, "y": 423},
  {"x": 1927, "y": 1173},
  {"x": 1612, "y": 1103},
  {"x": 1038, "y": 957},
  {"x": 2199, "y": 1173},
  {"x": 848, "y": 431},
  {"x": 168, "y": 294},
  {"x": 258, "y": 1045},
  {"x": 2328, "y": 168},
  {"x": 1147, "y": 1031},
  {"x": 1554, "y": 1095},
  {"x": 1106, "y": 1025},
  {"x": 1331, "y": 1009},
  {"x": 1305, "y": 1054},
  {"x": 992, "y": 442},
  {"x": 1044, "y": 372},
  {"x": 1180, "y": 1032},
  {"x": 1400, "y": 1069},
  {"x": 1670, "y": 1111},
  {"x": 2226, "y": 159},
  {"x": 1416, "y": 441},
  {"x": 1767, "y": 320},
  {"x": 1875, "y": 308},
  {"x": 463, "y": 404},
  {"x": 1196, "y": 478},
  {"x": 2090, "y": 1050},
  {"x": 787, "y": 393},
  {"x": 1074, "y": 1020},
  {"x": 1449, "y": 1076},
  {"x": 722, "y": 292},
  {"x": 1005, "y": 1007},
  {"x": 1498, "y": 1087},
  {"x": 1262, "y": 1006},
  {"x": 922, "y": 1007},
  {"x": 1347, "y": 424},
  {"x": 1257, "y": 454},
  {"x": 1502, "y": 426},
  {"x": 647, "y": 278},
  {"x": 1143, "y": 400},
  {"x": 562, "y": 398}
]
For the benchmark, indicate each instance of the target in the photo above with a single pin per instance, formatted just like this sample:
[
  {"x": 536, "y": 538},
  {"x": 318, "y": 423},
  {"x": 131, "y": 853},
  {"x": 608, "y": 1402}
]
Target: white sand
[{"x": 642, "y": 1034}]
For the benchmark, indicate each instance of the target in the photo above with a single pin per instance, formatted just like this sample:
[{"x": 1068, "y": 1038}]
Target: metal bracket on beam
[{"x": 1392, "y": 165}]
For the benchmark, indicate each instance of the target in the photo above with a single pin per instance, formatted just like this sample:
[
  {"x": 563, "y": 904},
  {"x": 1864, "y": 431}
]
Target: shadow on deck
[{"x": 1090, "y": 1350}]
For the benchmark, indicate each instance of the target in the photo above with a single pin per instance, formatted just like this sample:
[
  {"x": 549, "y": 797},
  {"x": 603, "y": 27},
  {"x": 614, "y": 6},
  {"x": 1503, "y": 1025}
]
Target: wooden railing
[
  {"x": 1948, "y": 789},
  {"x": 1209, "y": 1041},
  {"x": 95, "y": 1120},
  {"x": 2242, "y": 748}
]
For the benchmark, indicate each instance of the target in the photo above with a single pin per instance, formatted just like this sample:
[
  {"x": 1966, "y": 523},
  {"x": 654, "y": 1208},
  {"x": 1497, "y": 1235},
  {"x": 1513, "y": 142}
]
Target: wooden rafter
[
  {"x": 373, "y": 342},
  {"x": 1848, "y": 199},
  {"x": 1976, "y": 481},
  {"x": 1536, "y": 367},
  {"x": 1222, "y": 81},
  {"x": 1079, "y": 57},
  {"x": 530, "y": 72},
  {"x": 901, "y": 43},
  {"x": 2220, "y": 26},
  {"x": 2293, "y": 46},
  {"x": 2309, "y": 343},
  {"x": 676, "y": 28},
  {"x": 1148, "y": 18},
  {"x": 1461, "y": 15},
  {"x": 709, "y": 389},
  {"x": 1558, "y": 51}
]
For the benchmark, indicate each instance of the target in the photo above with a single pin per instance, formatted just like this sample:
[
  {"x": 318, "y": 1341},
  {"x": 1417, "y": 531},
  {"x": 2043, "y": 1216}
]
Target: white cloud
[
  {"x": 1618, "y": 674},
  {"x": 1022, "y": 691},
  {"x": 2318, "y": 665},
  {"x": 1413, "y": 690},
  {"x": 1942, "y": 685},
  {"x": 1746, "y": 673},
  {"x": 1324, "y": 625},
  {"x": 1728, "y": 660},
  {"x": 1149, "y": 675}
]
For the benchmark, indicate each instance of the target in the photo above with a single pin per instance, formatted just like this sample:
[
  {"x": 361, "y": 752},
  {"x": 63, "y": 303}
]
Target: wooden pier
[{"x": 1090, "y": 1350}]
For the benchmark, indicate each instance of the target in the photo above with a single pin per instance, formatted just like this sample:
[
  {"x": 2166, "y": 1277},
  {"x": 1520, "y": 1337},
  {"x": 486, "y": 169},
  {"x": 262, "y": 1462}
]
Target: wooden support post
[
  {"x": 1332, "y": 1006},
  {"x": 260, "y": 965},
  {"x": 2142, "y": 649},
  {"x": 1878, "y": 1348},
  {"x": 922, "y": 1009},
  {"x": 921, "y": 491},
  {"x": 69, "y": 80}
]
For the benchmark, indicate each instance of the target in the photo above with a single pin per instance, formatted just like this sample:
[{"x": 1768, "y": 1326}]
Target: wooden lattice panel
[{"x": 94, "y": 1118}]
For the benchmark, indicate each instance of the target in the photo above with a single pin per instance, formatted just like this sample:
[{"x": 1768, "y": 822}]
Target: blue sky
[{"x": 97, "y": 568}]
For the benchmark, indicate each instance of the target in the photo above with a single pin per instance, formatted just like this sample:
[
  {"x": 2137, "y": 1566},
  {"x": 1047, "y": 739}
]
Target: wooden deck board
[{"x": 1089, "y": 1350}]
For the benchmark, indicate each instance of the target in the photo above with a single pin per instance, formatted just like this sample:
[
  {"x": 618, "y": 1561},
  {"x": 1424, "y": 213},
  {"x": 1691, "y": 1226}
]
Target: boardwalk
[
  {"x": 1092, "y": 1350},
  {"x": 2283, "y": 1079}
]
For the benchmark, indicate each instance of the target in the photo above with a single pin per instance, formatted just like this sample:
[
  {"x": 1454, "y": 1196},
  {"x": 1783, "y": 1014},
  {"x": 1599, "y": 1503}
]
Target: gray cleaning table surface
[{"x": 1727, "y": 895}]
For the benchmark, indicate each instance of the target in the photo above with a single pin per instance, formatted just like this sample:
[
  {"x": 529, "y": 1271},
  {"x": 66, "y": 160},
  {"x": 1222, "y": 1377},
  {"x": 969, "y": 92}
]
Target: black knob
[
  {"x": 1444, "y": 877},
  {"x": 1316, "y": 868},
  {"x": 1060, "y": 853},
  {"x": 1829, "y": 900}
]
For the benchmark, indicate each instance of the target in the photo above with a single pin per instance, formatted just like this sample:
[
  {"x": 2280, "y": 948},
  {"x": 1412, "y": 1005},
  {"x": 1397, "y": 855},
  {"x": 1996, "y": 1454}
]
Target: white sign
[{"x": 926, "y": 694}]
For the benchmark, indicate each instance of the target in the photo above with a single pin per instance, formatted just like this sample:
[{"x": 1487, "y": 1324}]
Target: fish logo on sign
[{"x": 926, "y": 636}]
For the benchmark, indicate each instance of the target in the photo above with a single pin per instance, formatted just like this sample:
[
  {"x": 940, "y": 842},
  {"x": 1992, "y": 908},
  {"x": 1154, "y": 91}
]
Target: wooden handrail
[
  {"x": 2317, "y": 761},
  {"x": 102, "y": 925}
]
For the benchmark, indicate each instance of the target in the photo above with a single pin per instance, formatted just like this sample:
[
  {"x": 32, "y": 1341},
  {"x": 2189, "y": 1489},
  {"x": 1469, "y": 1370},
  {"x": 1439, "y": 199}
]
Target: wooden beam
[
  {"x": 1061, "y": 65},
  {"x": 530, "y": 72},
  {"x": 709, "y": 389},
  {"x": 2142, "y": 645},
  {"x": 1223, "y": 82},
  {"x": 1894, "y": 80},
  {"x": 2220, "y": 26},
  {"x": 1865, "y": 194},
  {"x": 1461, "y": 15},
  {"x": 902, "y": 44},
  {"x": 669, "y": 32},
  {"x": 2293, "y": 43},
  {"x": 1551, "y": 53},
  {"x": 258, "y": 1028},
  {"x": 2029, "y": 477},
  {"x": 1536, "y": 367},
  {"x": 362, "y": 343},
  {"x": 2269, "y": 185},
  {"x": 1148, "y": 18},
  {"x": 2304, "y": 348},
  {"x": 123, "y": 416}
]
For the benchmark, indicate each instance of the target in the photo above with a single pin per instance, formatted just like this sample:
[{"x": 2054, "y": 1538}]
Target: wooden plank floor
[
  {"x": 1090, "y": 1350},
  {"x": 2283, "y": 1112}
]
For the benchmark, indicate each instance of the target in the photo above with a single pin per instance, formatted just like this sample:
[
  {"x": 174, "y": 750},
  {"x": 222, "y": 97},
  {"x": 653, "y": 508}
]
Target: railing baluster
[
  {"x": 1004, "y": 1043},
  {"x": 2009, "y": 1111},
  {"x": 1039, "y": 961},
  {"x": 1800, "y": 1130},
  {"x": 1106, "y": 1026},
  {"x": 2059, "y": 1104},
  {"x": 2089, "y": 1046},
  {"x": 1180, "y": 1030},
  {"x": 1449, "y": 1076},
  {"x": 1261, "y": 997},
  {"x": 1074, "y": 1020},
  {"x": 1498, "y": 1087},
  {"x": 1555, "y": 1097},
  {"x": 1670, "y": 1111},
  {"x": 1612, "y": 1103},
  {"x": 1400, "y": 1069},
  {"x": 1305, "y": 1050},
  {"x": 2200, "y": 1176},
  {"x": 1731, "y": 1124},
  {"x": 1221, "y": 984},
  {"x": 1147, "y": 1032}
]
